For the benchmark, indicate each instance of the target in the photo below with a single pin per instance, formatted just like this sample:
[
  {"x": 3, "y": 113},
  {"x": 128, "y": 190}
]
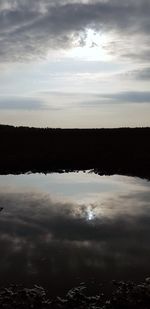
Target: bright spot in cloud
[{"x": 92, "y": 48}]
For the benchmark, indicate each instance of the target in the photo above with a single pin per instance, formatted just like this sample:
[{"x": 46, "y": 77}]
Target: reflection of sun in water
[
  {"x": 94, "y": 211},
  {"x": 90, "y": 209},
  {"x": 90, "y": 214},
  {"x": 90, "y": 47}
]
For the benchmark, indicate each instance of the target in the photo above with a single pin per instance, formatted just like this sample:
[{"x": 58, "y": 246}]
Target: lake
[{"x": 58, "y": 230}]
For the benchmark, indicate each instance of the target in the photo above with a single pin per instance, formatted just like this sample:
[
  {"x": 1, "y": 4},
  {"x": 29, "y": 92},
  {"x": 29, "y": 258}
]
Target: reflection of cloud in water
[
  {"x": 44, "y": 238},
  {"x": 80, "y": 187}
]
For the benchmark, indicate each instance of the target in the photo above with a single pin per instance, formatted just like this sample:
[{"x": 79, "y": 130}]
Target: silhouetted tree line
[{"x": 107, "y": 151}]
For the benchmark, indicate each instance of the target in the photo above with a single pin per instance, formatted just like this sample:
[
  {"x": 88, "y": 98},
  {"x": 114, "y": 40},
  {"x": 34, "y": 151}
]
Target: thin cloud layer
[
  {"x": 16, "y": 103},
  {"x": 129, "y": 97},
  {"x": 30, "y": 29},
  {"x": 140, "y": 74}
]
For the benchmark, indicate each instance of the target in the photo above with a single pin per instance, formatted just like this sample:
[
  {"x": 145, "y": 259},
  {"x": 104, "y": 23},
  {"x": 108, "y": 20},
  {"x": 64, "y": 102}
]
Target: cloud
[
  {"x": 29, "y": 29},
  {"x": 25, "y": 103},
  {"x": 139, "y": 74},
  {"x": 133, "y": 97},
  {"x": 69, "y": 99},
  {"x": 20, "y": 103},
  {"x": 129, "y": 97}
]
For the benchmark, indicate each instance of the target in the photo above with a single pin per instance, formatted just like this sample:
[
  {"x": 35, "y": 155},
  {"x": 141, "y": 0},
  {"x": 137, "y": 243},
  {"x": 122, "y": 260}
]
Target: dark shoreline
[
  {"x": 124, "y": 151},
  {"x": 127, "y": 295}
]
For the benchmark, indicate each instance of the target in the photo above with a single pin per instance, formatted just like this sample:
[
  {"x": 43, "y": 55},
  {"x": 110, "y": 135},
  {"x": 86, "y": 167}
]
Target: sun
[{"x": 91, "y": 47}]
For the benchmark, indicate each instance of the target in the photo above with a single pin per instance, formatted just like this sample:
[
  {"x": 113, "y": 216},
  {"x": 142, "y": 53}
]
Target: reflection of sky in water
[{"x": 78, "y": 226}]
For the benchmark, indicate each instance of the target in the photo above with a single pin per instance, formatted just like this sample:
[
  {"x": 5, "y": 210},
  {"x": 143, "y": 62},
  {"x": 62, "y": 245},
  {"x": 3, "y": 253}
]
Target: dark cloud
[
  {"x": 24, "y": 103},
  {"x": 19, "y": 103},
  {"x": 130, "y": 97},
  {"x": 30, "y": 28},
  {"x": 140, "y": 74},
  {"x": 137, "y": 97},
  {"x": 96, "y": 99},
  {"x": 139, "y": 55}
]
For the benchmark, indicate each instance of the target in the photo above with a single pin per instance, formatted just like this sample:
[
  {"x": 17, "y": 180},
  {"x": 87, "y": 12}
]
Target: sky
[{"x": 75, "y": 63}]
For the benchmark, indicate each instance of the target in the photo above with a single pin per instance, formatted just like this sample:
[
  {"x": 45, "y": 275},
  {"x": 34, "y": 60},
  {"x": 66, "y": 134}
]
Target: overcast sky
[{"x": 82, "y": 63}]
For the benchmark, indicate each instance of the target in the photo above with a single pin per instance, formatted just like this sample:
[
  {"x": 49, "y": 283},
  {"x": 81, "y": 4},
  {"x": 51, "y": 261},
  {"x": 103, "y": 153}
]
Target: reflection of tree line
[{"x": 108, "y": 151}]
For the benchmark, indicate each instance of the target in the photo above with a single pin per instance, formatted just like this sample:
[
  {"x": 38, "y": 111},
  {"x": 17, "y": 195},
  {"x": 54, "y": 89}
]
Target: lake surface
[{"x": 58, "y": 230}]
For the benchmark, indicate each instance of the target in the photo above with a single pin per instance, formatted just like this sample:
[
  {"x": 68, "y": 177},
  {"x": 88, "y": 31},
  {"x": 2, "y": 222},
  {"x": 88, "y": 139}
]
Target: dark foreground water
[{"x": 59, "y": 230}]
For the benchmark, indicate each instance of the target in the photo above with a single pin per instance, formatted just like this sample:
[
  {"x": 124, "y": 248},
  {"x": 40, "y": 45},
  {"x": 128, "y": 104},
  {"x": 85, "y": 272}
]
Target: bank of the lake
[{"x": 127, "y": 295}]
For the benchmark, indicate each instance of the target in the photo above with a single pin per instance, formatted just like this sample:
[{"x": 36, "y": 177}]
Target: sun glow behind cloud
[{"x": 90, "y": 47}]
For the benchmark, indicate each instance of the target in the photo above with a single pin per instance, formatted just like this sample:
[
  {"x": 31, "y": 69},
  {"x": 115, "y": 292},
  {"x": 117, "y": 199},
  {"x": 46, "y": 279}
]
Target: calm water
[{"x": 58, "y": 230}]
